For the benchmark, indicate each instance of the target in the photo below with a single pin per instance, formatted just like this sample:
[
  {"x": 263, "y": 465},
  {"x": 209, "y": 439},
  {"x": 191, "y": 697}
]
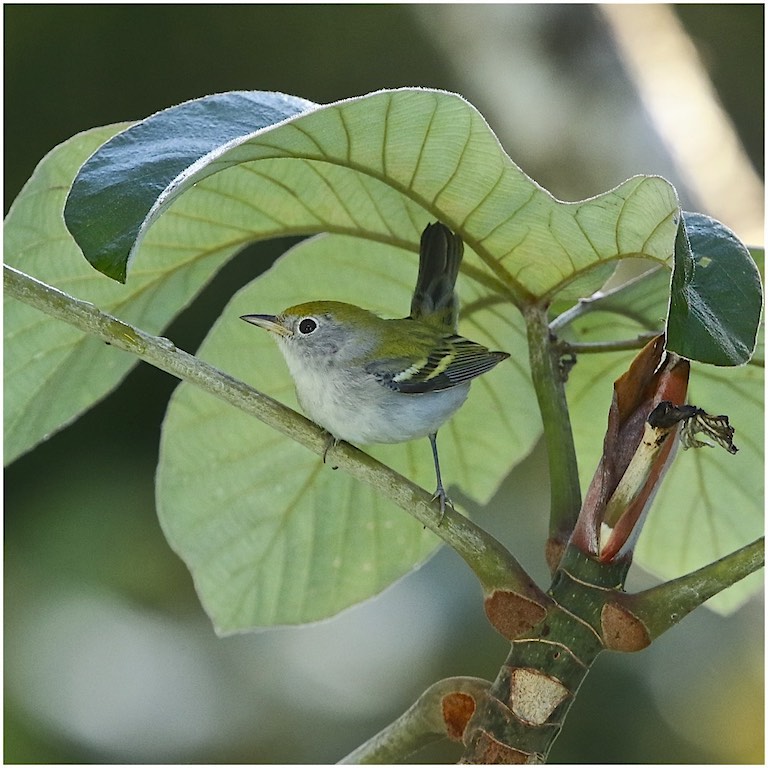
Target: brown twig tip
[{"x": 695, "y": 421}]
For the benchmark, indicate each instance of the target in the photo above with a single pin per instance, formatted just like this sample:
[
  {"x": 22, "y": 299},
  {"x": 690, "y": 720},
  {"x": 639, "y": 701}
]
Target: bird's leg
[{"x": 439, "y": 491}]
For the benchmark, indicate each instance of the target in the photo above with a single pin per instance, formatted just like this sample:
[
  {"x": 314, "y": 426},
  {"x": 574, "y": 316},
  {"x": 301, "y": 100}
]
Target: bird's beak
[{"x": 269, "y": 323}]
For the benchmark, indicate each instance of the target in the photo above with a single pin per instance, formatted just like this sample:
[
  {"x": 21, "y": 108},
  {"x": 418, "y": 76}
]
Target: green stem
[
  {"x": 619, "y": 345},
  {"x": 427, "y": 720},
  {"x": 579, "y": 309},
  {"x": 492, "y": 563},
  {"x": 548, "y": 382},
  {"x": 527, "y": 703},
  {"x": 661, "y": 607}
]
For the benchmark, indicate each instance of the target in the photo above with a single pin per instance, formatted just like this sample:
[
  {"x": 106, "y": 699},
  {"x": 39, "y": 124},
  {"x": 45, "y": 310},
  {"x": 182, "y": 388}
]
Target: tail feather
[{"x": 434, "y": 299}]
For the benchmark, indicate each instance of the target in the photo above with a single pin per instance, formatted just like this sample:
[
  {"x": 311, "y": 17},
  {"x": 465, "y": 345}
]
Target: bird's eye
[{"x": 307, "y": 325}]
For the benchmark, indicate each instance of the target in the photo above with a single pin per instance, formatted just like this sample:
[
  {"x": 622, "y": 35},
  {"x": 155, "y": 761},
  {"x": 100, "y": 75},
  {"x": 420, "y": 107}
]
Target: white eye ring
[{"x": 307, "y": 325}]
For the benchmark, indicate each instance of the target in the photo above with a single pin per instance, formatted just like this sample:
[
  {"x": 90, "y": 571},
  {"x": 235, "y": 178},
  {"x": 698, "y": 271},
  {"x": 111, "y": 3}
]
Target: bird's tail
[{"x": 434, "y": 299}]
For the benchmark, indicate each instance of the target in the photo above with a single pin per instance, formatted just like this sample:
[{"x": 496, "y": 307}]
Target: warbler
[{"x": 366, "y": 379}]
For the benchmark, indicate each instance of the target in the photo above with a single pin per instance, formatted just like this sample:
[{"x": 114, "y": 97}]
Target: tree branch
[
  {"x": 619, "y": 345},
  {"x": 661, "y": 607},
  {"x": 442, "y": 711},
  {"x": 494, "y": 566},
  {"x": 548, "y": 382}
]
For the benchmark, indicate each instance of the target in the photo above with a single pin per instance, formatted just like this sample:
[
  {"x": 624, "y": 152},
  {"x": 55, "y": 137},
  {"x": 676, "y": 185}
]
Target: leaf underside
[{"x": 271, "y": 534}]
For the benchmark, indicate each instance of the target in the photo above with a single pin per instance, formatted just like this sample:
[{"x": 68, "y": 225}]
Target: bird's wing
[{"x": 457, "y": 361}]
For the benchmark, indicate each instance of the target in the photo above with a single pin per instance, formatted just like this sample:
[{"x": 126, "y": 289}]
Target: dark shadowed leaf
[
  {"x": 116, "y": 189},
  {"x": 716, "y": 300}
]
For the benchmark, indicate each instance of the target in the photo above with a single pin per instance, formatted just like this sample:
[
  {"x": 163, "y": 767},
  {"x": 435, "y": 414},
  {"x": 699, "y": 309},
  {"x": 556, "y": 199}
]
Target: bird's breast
[{"x": 355, "y": 407}]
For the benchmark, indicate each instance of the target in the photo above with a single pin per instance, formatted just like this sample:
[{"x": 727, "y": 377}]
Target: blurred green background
[{"x": 108, "y": 656}]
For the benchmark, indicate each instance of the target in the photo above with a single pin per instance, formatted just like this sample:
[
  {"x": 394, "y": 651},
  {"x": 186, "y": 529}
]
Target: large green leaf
[
  {"x": 270, "y": 534},
  {"x": 369, "y": 166},
  {"x": 710, "y": 503}
]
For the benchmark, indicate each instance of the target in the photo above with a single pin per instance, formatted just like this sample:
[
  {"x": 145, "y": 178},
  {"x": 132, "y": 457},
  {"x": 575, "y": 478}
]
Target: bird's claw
[
  {"x": 444, "y": 502},
  {"x": 330, "y": 442}
]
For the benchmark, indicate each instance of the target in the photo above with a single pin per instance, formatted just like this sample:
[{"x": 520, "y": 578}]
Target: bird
[{"x": 367, "y": 379}]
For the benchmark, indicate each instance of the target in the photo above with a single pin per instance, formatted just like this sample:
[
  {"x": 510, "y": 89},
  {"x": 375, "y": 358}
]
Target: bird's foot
[
  {"x": 442, "y": 496},
  {"x": 330, "y": 442}
]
